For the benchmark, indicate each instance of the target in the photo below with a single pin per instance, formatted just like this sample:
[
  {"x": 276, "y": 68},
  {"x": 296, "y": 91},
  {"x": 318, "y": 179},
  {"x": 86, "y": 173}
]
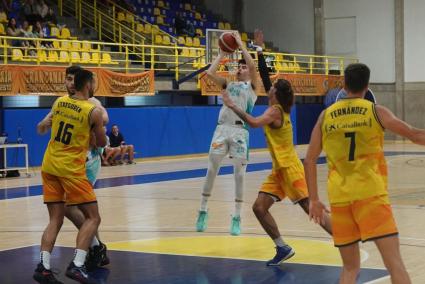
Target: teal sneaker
[
  {"x": 235, "y": 226},
  {"x": 202, "y": 222}
]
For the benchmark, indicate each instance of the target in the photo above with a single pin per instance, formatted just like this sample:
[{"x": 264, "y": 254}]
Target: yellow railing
[
  {"x": 103, "y": 18},
  {"x": 125, "y": 57},
  {"x": 307, "y": 63},
  {"x": 115, "y": 56}
]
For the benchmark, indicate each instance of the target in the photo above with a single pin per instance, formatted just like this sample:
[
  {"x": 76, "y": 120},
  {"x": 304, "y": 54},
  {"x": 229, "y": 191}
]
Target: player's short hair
[
  {"x": 284, "y": 94},
  {"x": 356, "y": 77},
  {"x": 82, "y": 78},
  {"x": 243, "y": 61},
  {"x": 72, "y": 70}
]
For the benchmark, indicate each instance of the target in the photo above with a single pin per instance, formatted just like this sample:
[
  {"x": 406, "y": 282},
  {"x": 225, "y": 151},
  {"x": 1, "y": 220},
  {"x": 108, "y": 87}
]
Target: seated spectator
[
  {"x": 13, "y": 30},
  {"x": 27, "y": 32},
  {"x": 39, "y": 32},
  {"x": 182, "y": 27},
  {"x": 116, "y": 140},
  {"x": 109, "y": 153}
]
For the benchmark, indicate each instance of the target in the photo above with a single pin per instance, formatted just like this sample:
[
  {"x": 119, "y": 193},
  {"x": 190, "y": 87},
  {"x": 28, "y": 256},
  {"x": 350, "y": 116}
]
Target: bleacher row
[
  {"x": 61, "y": 56},
  {"x": 160, "y": 15}
]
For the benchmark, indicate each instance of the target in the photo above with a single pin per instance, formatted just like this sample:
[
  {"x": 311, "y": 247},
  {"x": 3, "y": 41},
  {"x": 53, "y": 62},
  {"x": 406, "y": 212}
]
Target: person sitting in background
[
  {"x": 116, "y": 140},
  {"x": 27, "y": 32},
  {"x": 13, "y": 30},
  {"x": 182, "y": 27},
  {"x": 109, "y": 154},
  {"x": 39, "y": 32}
]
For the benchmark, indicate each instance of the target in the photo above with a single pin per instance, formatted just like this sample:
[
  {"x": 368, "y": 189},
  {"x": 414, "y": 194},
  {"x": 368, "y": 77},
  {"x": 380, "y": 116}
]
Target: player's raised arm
[
  {"x": 212, "y": 71},
  {"x": 394, "y": 124},
  {"x": 248, "y": 59},
  {"x": 262, "y": 65}
]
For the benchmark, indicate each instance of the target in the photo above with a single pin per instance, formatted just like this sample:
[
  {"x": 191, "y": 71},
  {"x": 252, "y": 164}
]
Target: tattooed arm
[{"x": 270, "y": 115}]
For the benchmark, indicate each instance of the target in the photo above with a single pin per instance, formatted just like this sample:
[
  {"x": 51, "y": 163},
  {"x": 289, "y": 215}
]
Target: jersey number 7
[{"x": 352, "y": 136}]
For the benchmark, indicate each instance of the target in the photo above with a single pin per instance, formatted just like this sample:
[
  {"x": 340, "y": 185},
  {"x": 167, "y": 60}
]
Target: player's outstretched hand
[
  {"x": 238, "y": 39},
  {"x": 227, "y": 101},
  {"x": 258, "y": 37},
  {"x": 317, "y": 212}
]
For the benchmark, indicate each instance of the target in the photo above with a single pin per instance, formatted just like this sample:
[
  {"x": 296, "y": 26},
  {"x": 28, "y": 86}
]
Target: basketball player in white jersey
[{"x": 231, "y": 136}]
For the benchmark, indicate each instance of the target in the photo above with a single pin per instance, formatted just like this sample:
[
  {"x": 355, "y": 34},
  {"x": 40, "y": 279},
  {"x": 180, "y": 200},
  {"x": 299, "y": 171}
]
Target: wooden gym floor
[{"x": 148, "y": 222}]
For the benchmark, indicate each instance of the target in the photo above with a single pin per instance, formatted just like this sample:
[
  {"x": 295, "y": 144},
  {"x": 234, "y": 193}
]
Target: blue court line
[{"x": 35, "y": 190}]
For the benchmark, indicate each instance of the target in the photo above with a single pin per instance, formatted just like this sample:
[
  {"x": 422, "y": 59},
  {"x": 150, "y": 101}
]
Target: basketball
[{"x": 227, "y": 42}]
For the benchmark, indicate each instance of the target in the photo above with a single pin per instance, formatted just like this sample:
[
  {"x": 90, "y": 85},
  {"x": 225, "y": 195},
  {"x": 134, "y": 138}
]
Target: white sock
[
  {"x": 238, "y": 208},
  {"x": 204, "y": 203},
  {"x": 45, "y": 259},
  {"x": 94, "y": 242},
  {"x": 79, "y": 257},
  {"x": 279, "y": 242}
]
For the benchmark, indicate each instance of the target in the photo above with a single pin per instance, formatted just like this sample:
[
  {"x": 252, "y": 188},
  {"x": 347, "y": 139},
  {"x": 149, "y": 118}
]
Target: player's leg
[
  {"x": 79, "y": 192},
  {"x": 239, "y": 152},
  {"x": 389, "y": 247},
  {"x": 271, "y": 192},
  {"x": 383, "y": 230},
  {"x": 239, "y": 169},
  {"x": 350, "y": 255},
  {"x": 97, "y": 255},
  {"x": 346, "y": 235},
  {"x": 214, "y": 161},
  {"x": 53, "y": 195},
  {"x": 261, "y": 208},
  {"x": 218, "y": 151}
]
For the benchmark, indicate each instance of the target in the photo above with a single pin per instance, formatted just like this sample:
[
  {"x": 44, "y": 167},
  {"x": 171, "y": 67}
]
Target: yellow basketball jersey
[
  {"x": 66, "y": 152},
  {"x": 352, "y": 138},
  {"x": 280, "y": 142}
]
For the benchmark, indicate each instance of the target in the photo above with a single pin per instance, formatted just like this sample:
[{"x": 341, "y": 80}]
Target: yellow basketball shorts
[
  {"x": 362, "y": 220},
  {"x": 287, "y": 182}
]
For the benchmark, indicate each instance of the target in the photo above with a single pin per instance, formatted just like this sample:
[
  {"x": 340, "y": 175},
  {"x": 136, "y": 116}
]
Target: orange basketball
[{"x": 227, "y": 42}]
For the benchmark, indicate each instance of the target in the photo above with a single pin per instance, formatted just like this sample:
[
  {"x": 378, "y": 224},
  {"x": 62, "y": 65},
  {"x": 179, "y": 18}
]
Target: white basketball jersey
[{"x": 244, "y": 98}]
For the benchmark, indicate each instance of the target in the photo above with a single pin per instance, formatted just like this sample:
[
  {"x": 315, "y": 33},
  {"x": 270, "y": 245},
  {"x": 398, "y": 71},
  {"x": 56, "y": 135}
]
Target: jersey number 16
[{"x": 64, "y": 135}]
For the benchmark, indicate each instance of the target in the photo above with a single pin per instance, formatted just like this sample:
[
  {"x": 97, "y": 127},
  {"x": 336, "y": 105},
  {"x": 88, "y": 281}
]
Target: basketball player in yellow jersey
[
  {"x": 351, "y": 133},
  {"x": 64, "y": 175},
  {"x": 287, "y": 177},
  {"x": 98, "y": 251}
]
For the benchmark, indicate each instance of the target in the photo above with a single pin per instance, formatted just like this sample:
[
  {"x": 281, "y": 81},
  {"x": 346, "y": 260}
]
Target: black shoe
[
  {"x": 44, "y": 276},
  {"x": 97, "y": 257},
  {"x": 79, "y": 274}
]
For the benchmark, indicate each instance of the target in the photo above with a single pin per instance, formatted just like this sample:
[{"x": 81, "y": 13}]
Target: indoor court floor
[{"x": 148, "y": 223}]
